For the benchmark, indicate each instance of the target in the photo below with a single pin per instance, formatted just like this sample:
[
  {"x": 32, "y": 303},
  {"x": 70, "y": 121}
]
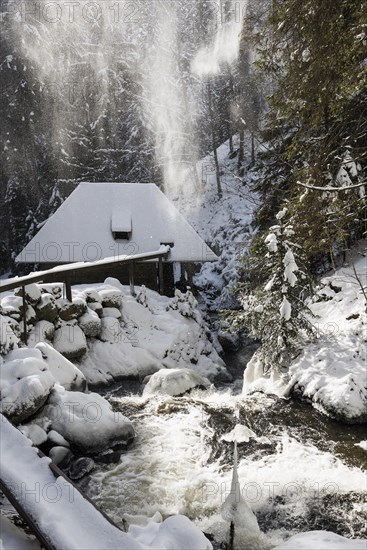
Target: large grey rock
[
  {"x": 71, "y": 310},
  {"x": 46, "y": 309},
  {"x": 81, "y": 467},
  {"x": 90, "y": 323},
  {"x": 111, "y": 297},
  {"x": 228, "y": 341},
  {"x": 46, "y": 330}
]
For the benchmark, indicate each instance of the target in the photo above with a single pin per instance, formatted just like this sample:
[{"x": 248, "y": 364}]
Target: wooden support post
[
  {"x": 25, "y": 333},
  {"x": 68, "y": 292},
  {"x": 131, "y": 278},
  {"x": 160, "y": 276}
]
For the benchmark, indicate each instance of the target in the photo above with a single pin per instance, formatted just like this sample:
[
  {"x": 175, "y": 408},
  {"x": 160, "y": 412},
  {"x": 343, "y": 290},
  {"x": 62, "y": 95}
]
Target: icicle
[{"x": 234, "y": 509}]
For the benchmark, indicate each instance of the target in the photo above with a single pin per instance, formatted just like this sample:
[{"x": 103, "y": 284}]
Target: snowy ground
[
  {"x": 331, "y": 372},
  {"x": 161, "y": 333}
]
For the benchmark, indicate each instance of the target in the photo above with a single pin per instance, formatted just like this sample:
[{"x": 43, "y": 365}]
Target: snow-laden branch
[{"x": 346, "y": 188}]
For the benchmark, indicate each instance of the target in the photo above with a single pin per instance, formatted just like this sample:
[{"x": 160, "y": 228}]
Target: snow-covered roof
[{"x": 88, "y": 227}]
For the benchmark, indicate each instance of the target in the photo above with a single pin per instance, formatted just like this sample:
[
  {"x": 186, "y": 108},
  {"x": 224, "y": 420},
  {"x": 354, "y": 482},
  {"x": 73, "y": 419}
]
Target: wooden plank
[
  {"x": 45, "y": 542},
  {"x": 28, "y": 519},
  {"x": 59, "y": 473}
]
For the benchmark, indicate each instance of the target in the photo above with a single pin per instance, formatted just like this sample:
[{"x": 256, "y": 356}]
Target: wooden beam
[
  {"x": 131, "y": 278},
  {"x": 160, "y": 276},
  {"x": 15, "y": 502},
  {"x": 61, "y": 272},
  {"x": 69, "y": 294}
]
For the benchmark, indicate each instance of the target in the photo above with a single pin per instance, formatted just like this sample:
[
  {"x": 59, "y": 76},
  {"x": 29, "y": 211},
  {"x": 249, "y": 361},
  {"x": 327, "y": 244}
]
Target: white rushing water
[{"x": 171, "y": 468}]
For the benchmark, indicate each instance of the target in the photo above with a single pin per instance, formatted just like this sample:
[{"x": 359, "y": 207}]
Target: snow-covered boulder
[
  {"x": 30, "y": 316},
  {"x": 111, "y": 312},
  {"x": 92, "y": 296},
  {"x": 46, "y": 308},
  {"x": 174, "y": 382},
  {"x": 35, "y": 433},
  {"x": 362, "y": 445},
  {"x": 8, "y": 338},
  {"x": 71, "y": 310},
  {"x": 86, "y": 421},
  {"x": 96, "y": 307},
  {"x": 70, "y": 341},
  {"x": 90, "y": 323},
  {"x": 55, "y": 289},
  {"x": 142, "y": 297},
  {"x": 110, "y": 330},
  {"x": 111, "y": 296},
  {"x": 43, "y": 331},
  {"x": 12, "y": 306},
  {"x": 25, "y": 384},
  {"x": 32, "y": 293},
  {"x": 64, "y": 372}
]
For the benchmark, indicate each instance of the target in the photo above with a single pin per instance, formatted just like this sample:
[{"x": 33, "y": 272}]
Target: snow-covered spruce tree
[{"x": 273, "y": 303}]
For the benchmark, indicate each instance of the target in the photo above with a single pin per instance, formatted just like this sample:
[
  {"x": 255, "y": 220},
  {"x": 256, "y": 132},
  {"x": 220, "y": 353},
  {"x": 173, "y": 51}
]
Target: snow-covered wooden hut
[{"x": 104, "y": 220}]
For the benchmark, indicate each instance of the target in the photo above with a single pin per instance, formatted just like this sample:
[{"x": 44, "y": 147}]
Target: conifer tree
[{"x": 274, "y": 309}]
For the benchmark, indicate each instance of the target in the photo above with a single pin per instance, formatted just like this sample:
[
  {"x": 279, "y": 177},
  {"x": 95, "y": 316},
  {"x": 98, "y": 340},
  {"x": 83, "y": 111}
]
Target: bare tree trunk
[
  {"x": 214, "y": 141},
  {"x": 241, "y": 147},
  {"x": 229, "y": 122},
  {"x": 230, "y": 138}
]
